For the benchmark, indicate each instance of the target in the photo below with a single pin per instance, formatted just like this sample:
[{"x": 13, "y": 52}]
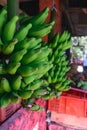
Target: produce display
[{"x": 28, "y": 65}]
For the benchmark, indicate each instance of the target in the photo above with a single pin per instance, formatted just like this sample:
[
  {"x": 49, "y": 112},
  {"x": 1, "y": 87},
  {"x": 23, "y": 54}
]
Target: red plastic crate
[
  {"x": 73, "y": 102},
  {"x": 6, "y": 112}
]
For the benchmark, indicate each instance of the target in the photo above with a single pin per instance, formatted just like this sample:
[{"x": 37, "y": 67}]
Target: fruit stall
[{"x": 41, "y": 85}]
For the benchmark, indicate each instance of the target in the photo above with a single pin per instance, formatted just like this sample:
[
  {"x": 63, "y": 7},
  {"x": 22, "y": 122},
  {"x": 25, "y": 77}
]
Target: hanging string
[{"x": 53, "y": 15}]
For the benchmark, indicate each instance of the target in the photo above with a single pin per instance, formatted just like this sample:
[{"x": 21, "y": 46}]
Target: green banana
[
  {"x": 30, "y": 56},
  {"x": 35, "y": 107},
  {"x": 23, "y": 84},
  {"x": 26, "y": 71},
  {"x": 14, "y": 97},
  {"x": 12, "y": 68},
  {"x": 35, "y": 43},
  {"x": 49, "y": 79},
  {"x": 17, "y": 56},
  {"x": 1, "y": 45},
  {"x": 38, "y": 19},
  {"x": 24, "y": 44},
  {"x": 41, "y": 32},
  {"x": 8, "y": 48},
  {"x": 42, "y": 69},
  {"x": 40, "y": 109},
  {"x": 16, "y": 82},
  {"x": 25, "y": 94},
  {"x": 25, "y": 20},
  {"x": 35, "y": 85},
  {"x": 40, "y": 92},
  {"x": 30, "y": 79},
  {"x": 2, "y": 70},
  {"x": 3, "y": 19},
  {"x": 9, "y": 29},
  {"x": 54, "y": 41},
  {"x": 22, "y": 32},
  {"x": 5, "y": 85},
  {"x": 5, "y": 100},
  {"x": 67, "y": 45}
]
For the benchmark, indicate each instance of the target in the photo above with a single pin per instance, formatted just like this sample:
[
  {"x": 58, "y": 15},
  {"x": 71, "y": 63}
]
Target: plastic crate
[
  {"x": 72, "y": 102},
  {"x": 6, "y": 112}
]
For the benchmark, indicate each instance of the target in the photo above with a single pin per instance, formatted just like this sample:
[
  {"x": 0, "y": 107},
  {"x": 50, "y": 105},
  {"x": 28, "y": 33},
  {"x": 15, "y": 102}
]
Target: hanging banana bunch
[{"x": 23, "y": 60}]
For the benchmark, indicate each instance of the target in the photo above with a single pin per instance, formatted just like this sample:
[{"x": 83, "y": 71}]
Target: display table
[{"x": 25, "y": 119}]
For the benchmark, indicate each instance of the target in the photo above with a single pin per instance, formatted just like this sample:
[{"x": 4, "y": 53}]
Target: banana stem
[{"x": 12, "y": 8}]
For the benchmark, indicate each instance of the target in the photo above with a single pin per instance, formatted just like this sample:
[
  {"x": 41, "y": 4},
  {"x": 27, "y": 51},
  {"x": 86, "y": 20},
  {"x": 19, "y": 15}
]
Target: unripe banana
[
  {"x": 26, "y": 71},
  {"x": 14, "y": 97},
  {"x": 8, "y": 49},
  {"x": 3, "y": 19},
  {"x": 67, "y": 45},
  {"x": 34, "y": 44},
  {"x": 40, "y": 92},
  {"x": 22, "y": 32},
  {"x": 12, "y": 68},
  {"x": 25, "y": 94},
  {"x": 24, "y": 44},
  {"x": 16, "y": 82},
  {"x": 54, "y": 42},
  {"x": 5, "y": 85},
  {"x": 5, "y": 100},
  {"x": 1, "y": 45},
  {"x": 41, "y": 32},
  {"x": 17, "y": 56},
  {"x": 23, "y": 85},
  {"x": 30, "y": 79},
  {"x": 30, "y": 56},
  {"x": 35, "y": 107},
  {"x": 46, "y": 97},
  {"x": 9, "y": 29},
  {"x": 35, "y": 85},
  {"x": 2, "y": 70},
  {"x": 38, "y": 19}
]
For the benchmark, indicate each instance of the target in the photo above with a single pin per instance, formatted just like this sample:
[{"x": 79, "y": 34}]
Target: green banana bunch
[
  {"x": 3, "y": 19},
  {"x": 29, "y": 67},
  {"x": 9, "y": 29},
  {"x": 38, "y": 19}
]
